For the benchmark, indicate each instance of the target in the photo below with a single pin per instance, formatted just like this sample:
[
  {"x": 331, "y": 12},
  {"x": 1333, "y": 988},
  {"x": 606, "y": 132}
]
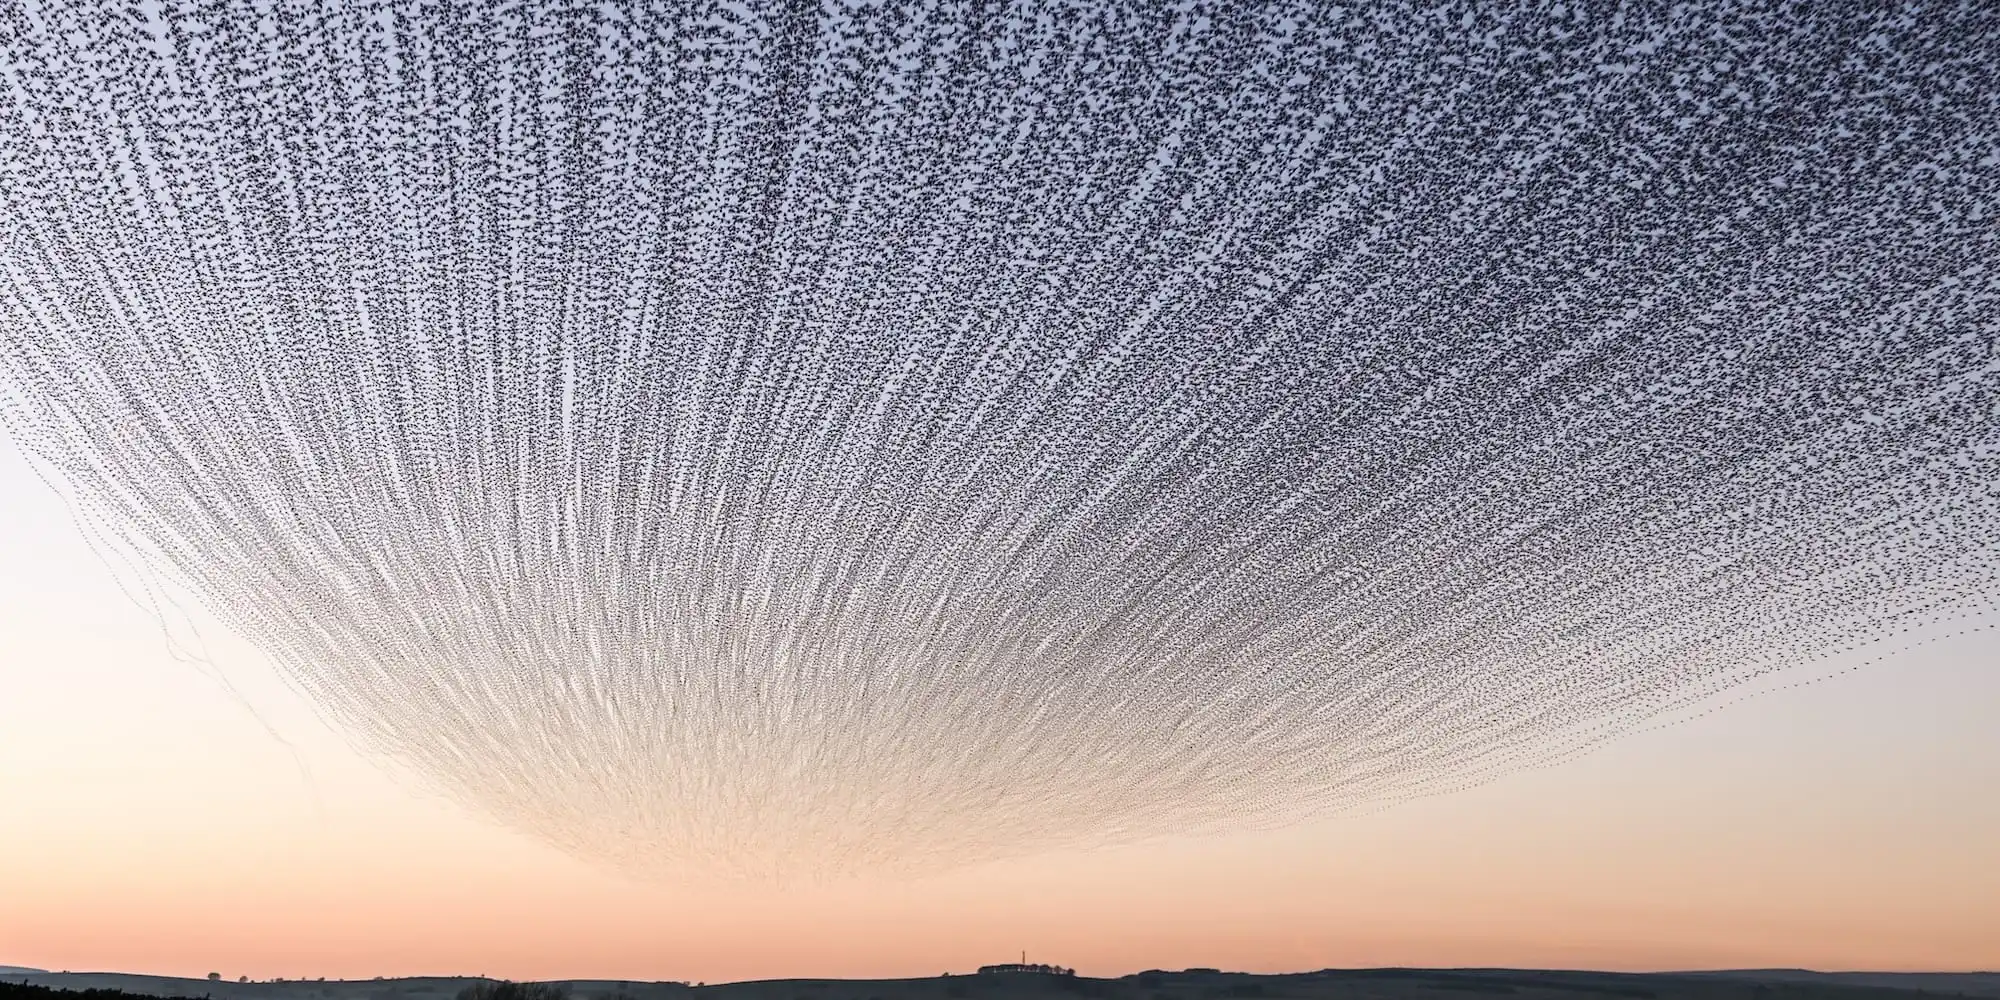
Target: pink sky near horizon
[{"x": 150, "y": 823}]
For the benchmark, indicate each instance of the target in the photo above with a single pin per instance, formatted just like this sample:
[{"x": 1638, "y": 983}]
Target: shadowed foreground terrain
[{"x": 1356, "y": 984}]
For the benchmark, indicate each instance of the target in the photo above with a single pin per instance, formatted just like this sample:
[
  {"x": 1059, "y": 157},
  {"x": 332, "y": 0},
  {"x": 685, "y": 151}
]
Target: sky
[
  {"x": 149, "y": 822},
  {"x": 939, "y": 459}
]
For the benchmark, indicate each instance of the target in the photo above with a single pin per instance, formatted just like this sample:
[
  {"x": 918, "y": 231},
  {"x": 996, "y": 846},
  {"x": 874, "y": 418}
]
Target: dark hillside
[{"x": 1191, "y": 984}]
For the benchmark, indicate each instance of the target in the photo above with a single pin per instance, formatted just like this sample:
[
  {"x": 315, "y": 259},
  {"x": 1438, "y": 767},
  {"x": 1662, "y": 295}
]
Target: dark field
[{"x": 1362, "y": 984}]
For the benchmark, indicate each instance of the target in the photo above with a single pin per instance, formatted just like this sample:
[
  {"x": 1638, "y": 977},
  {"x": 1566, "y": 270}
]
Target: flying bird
[{"x": 796, "y": 439}]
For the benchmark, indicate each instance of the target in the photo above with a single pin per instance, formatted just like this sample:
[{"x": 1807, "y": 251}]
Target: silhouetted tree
[{"x": 507, "y": 990}]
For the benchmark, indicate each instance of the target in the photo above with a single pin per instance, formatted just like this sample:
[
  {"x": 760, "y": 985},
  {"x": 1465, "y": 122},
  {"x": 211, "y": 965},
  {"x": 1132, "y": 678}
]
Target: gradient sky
[
  {"x": 828, "y": 439},
  {"x": 150, "y": 822}
]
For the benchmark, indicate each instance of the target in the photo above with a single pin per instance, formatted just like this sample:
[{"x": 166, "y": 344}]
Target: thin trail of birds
[{"x": 794, "y": 439}]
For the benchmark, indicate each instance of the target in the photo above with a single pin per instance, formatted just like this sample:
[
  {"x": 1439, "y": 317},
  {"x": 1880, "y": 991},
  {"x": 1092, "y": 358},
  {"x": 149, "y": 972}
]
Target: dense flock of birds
[{"x": 798, "y": 438}]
